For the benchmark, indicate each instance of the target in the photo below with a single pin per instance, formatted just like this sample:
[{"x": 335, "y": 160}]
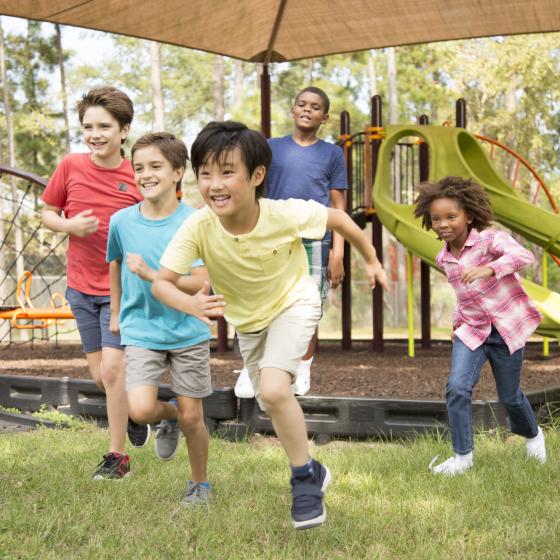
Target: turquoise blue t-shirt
[{"x": 144, "y": 321}]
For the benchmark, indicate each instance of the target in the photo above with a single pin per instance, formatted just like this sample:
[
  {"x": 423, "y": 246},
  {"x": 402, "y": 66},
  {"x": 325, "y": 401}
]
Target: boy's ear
[
  {"x": 124, "y": 131},
  {"x": 259, "y": 174},
  {"x": 178, "y": 173},
  {"x": 325, "y": 118}
]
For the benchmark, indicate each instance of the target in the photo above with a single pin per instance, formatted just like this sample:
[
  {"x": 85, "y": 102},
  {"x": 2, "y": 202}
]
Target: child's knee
[
  {"x": 111, "y": 373},
  {"x": 191, "y": 418},
  {"x": 141, "y": 412},
  {"x": 456, "y": 390},
  {"x": 273, "y": 395}
]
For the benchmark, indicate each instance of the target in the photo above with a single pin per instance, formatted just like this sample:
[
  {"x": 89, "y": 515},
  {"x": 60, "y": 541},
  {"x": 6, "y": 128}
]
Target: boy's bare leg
[
  {"x": 112, "y": 375},
  {"x": 312, "y": 346},
  {"x": 285, "y": 413},
  {"x": 94, "y": 365},
  {"x": 145, "y": 408},
  {"x": 191, "y": 419}
]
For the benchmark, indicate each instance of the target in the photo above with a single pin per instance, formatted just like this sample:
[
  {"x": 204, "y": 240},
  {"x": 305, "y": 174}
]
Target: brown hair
[
  {"x": 112, "y": 100},
  {"x": 470, "y": 196},
  {"x": 171, "y": 148}
]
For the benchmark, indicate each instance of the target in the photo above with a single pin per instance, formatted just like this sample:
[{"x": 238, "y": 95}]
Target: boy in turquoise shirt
[{"x": 155, "y": 336}]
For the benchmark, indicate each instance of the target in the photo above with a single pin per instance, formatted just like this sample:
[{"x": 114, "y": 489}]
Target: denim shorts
[{"x": 93, "y": 314}]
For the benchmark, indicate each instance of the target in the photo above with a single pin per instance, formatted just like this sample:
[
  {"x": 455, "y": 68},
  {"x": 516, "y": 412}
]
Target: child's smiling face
[
  {"x": 227, "y": 187},
  {"x": 154, "y": 175},
  {"x": 450, "y": 221},
  {"x": 102, "y": 133}
]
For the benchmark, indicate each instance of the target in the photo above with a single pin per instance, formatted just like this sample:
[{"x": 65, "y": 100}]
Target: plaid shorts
[{"x": 318, "y": 260}]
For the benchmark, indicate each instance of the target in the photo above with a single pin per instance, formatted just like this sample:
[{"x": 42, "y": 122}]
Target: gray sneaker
[
  {"x": 168, "y": 434},
  {"x": 196, "y": 494}
]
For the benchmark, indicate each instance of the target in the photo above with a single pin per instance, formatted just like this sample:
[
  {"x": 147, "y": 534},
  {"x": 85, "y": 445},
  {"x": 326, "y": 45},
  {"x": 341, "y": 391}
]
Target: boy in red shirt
[{"x": 89, "y": 188}]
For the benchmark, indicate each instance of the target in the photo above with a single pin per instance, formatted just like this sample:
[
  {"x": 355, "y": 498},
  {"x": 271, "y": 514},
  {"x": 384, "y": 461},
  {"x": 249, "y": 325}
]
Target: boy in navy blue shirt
[{"x": 308, "y": 168}]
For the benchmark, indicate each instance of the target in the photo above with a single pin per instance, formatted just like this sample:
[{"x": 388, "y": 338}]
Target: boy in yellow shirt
[{"x": 255, "y": 259}]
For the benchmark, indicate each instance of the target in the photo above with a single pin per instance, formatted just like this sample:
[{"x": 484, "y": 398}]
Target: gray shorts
[
  {"x": 189, "y": 367},
  {"x": 93, "y": 314}
]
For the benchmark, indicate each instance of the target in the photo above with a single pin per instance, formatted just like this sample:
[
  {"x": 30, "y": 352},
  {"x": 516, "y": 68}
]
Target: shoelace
[
  {"x": 163, "y": 429},
  {"x": 197, "y": 490},
  {"x": 108, "y": 460}
]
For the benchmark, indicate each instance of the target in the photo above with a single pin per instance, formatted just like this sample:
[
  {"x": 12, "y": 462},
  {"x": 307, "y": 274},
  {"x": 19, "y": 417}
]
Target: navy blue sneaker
[{"x": 308, "y": 508}]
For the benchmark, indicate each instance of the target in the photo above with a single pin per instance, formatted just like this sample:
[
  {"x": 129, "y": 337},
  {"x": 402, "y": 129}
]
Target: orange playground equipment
[{"x": 27, "y": 316}]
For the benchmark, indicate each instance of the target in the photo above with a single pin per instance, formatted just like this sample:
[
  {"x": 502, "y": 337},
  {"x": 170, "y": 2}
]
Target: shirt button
[
  {"x": 274, "y": 252},
  {"x": 236, "y": 238}
]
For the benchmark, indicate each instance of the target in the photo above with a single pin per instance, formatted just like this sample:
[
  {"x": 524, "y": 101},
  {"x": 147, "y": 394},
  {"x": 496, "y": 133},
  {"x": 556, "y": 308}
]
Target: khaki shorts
[
  {"x": 283, "y": 343},
  {"x": 189, "y": 367}
]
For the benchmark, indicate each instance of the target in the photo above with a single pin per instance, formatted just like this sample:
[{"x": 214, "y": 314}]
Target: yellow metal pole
[
  {"x": 410, "y": 294},
  {"x": 545, "y": 349}
]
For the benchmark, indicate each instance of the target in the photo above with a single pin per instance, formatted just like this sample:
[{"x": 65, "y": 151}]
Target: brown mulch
[{"x": 360, "y": 372}]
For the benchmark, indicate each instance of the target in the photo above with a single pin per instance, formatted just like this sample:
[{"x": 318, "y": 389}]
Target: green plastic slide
[{"x": 454, "y": 151}]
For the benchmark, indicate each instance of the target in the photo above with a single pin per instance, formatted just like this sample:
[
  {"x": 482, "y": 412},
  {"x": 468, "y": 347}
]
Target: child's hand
[
  {"x": 336, "y": 270},
  {"x": 137, "y": 265},
  {"x": 83, "y": 224},
  {"x": 473, "y": 273},
  {"x": 204, "y": 306},
  {"x": 376, "y": 273},
  {"x": 114, "y": 324}
]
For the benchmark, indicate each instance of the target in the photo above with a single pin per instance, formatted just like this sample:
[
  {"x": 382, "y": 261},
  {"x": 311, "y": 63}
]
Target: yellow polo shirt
[{"x": 260, "y": 273}]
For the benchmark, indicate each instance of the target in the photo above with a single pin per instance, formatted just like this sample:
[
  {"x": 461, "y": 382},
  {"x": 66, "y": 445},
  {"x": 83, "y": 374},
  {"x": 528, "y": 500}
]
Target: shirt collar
[{"x": 472, "y": 238}]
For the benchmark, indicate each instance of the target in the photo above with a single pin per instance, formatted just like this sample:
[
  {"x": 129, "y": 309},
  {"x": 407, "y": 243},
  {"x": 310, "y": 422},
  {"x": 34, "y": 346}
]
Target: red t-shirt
[{"x": 77, "y": 185}]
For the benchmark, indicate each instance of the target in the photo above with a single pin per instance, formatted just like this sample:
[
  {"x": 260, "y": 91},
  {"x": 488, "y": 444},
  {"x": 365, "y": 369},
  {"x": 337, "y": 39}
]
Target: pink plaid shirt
[{"x": 499, "y": 300}]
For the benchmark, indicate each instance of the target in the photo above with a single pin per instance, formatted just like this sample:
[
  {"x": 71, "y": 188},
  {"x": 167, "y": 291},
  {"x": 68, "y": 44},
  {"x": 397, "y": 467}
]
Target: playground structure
[
  {"x": 33, "y": 264},
  {"x": 378, "y": 156}
]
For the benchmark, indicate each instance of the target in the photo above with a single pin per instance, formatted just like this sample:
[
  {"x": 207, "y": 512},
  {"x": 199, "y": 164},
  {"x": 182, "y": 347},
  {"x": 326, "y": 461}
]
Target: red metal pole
[
  {"x": 265, "y": 102},
  {"x": 376, "y": 232},
  {"x": 425, "y": 295},
  {"x": 347, "y": 281}
]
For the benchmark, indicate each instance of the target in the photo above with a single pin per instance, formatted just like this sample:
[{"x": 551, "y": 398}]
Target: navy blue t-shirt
[{"x": 305, "y": 172}]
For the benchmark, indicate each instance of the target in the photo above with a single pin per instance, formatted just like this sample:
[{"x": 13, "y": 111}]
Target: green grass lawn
[{"x": 382, "y": 502}]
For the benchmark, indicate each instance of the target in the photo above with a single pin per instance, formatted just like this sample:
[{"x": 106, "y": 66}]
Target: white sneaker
[
  {"x": 243, "y": 387},
  {"x": 302, "y": 382},
  {"x": 453, "y": 466},
  {"x": 536, "y": 448}
]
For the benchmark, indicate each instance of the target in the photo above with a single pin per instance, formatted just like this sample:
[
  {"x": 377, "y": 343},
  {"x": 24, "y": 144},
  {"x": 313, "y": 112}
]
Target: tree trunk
[
  {"x": 157, "y": 88},
  {"x": 63, "y": 87},
  {"x": 392, "y": 83},
  {"x": 238, "y": 75},
  {"x": 372, "y": 75},
  {"x": 219, "y": 109}
]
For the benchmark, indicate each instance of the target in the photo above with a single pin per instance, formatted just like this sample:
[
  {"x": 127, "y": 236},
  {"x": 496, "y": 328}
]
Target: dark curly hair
[{"x": 471, "y": 197}]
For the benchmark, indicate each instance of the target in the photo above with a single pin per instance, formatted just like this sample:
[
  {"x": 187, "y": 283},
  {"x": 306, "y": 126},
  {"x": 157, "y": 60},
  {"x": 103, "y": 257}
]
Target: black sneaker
[
  {"x": 138, "y": 434},
  {"x": 308, "y": 508},
  {"x": 113, "y": 466}
]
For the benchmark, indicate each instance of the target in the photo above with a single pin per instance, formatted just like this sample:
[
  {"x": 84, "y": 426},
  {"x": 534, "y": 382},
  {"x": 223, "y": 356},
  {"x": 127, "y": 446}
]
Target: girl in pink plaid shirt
[{"x": 494, "y": 315}]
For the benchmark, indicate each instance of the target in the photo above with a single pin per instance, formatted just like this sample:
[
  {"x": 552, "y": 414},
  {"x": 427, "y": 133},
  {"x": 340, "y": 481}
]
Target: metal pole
[
  {"x": 347, "y": 281},
  {"x": 265, "y": 101},
  {"x": 461, "y": 113},
  {"x": 376, "y": 231},
  {"x": 425, "y": 290},
  {"x": 410, "y": 304},
  {"x": 545, "y": 350}
]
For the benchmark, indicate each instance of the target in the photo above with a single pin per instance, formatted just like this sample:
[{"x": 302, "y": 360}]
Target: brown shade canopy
[{"x": 279, "y": 30}]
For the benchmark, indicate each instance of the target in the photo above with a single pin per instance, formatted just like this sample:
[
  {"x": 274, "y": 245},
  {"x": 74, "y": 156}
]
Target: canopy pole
[{"x": 265, "y": 102}]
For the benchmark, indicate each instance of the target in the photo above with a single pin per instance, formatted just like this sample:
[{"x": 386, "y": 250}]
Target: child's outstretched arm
[
  {"x": 201, "y": 305},
  {"x": 340, "y": 222},
  {"x": 190, "y": 284}
]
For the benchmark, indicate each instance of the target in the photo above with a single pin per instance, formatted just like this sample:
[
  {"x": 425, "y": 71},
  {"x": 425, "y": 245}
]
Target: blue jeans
[{"x": 465, "y": 373}]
